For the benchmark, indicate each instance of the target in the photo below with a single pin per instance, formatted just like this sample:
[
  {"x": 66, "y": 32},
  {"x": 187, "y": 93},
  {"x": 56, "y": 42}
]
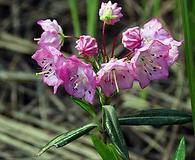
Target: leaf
[
  {"x": 114, "y": 131},
  {"x": 102, "y": 149},
  {"x": 84, "y": 105},
  {"x": 106, "y": 151},
  {"x": 65, "y": 138},
  {"x": 114, "y": 151},
  {"x": 156, "y": 117},
  {"x": 180, "y": 152}
]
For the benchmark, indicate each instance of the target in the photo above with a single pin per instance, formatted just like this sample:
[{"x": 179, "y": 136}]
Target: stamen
[
  {"x": 81, "y": 78},
  {"x": 149, "y": 63},
  {"x": 71, "y": 78},
  {"x": 36, "y": 39},
  {"x": 114, "y": 75},
  {"x": 76, "y": 85},
  {"x": 41, "y": 73}
]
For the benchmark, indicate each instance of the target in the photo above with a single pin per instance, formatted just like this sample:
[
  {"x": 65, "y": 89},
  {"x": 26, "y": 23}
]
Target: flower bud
[
  {"x": 131, "y": 38},
  {"x": 110, "y": 13},
  {"x": 87, "y": 46}
]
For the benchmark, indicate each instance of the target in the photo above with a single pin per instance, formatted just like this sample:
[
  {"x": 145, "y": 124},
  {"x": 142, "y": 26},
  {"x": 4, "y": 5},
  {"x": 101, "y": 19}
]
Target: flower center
[
  {"x": 149, "y": 65},
  {"x": 80, "y": 79},
  {"x": 48, "y": 69},
  {"x": 147, "y": 40},
  {"x": 112, "y": 79}
]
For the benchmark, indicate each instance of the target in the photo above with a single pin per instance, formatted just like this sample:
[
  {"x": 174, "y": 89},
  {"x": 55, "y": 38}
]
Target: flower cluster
[{"x": 152, "y": 50}]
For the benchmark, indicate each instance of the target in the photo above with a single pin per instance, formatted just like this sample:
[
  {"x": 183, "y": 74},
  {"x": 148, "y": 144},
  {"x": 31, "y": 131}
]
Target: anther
[{"x": 43, "y": 72}]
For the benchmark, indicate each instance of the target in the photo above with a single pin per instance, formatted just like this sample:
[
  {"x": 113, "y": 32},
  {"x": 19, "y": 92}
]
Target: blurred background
[{"x": 30, "y": 114}]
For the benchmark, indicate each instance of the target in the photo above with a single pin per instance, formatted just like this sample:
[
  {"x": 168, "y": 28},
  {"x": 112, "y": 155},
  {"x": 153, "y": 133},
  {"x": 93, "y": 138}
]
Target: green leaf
[
  {"x": 180, "y": 152},
  {"x": 102, "y": 148},
  {"x": 106, "y": 151},
  {"x": 84, "y": 105},
  {"x": 114, "y": 131},
  {"x": 65, "y": 138},
  {"x": 156, "y": 117},
  {"x": 114, "y": 151}
]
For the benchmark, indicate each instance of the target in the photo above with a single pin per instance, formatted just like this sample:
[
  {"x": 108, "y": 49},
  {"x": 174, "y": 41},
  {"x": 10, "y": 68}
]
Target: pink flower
[
  {"x": 153, "y": 30},
  {"x": 150, "y": 63},
  {"x": 110, "y": 13},
  {"x": 49, "y": 58},
  {"x": 131, "y": 38},
  {"x": 173, "y": 52},
  {"x": 52, "y": 35},
  {"x": 87, "y": 46},
  {"x": 50, "y": 26},
  {"x": 115, "y": 75},
  {"x": 79, "y": 78}
]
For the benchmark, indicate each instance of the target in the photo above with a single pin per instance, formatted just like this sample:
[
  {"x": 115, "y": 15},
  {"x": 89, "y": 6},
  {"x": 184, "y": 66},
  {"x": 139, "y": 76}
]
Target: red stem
[
  {"x": 129, "y": 54},
  {"x": 113, "y": 46},
  {"x": 71, "y": 37},
  {"x": 103, "y": 38}
]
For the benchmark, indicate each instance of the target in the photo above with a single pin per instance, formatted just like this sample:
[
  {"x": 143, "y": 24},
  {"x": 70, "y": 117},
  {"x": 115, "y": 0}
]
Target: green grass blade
[
  {"x": 92, "y": 12},
  {"x": 75, "y": 18},
  {"x": 155, "y": 8},
  {"x": 180, "y": 153},
  {"x": 145, "y": 10},
  {"x": 189, "y": 55},
  {"x": 192, "y": 16}
]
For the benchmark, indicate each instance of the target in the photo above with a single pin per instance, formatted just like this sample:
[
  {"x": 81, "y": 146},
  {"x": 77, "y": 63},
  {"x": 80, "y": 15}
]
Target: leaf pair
[
  {"x": 149, "y": 117},
  {"x": 155, "y": 117}
]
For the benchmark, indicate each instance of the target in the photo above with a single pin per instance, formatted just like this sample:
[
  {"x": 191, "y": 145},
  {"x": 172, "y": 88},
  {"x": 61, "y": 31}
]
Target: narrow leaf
[
  {"x": 180, "y": 152},
  {"x": 84, "y": 105},
  {"x": 65, "y": 138},
  {"x": 102, "y": 149},
  {"x": 114, "y": 131},
  {"x": 114, "y": 152},
  {"x": 156, "y": 117}
]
